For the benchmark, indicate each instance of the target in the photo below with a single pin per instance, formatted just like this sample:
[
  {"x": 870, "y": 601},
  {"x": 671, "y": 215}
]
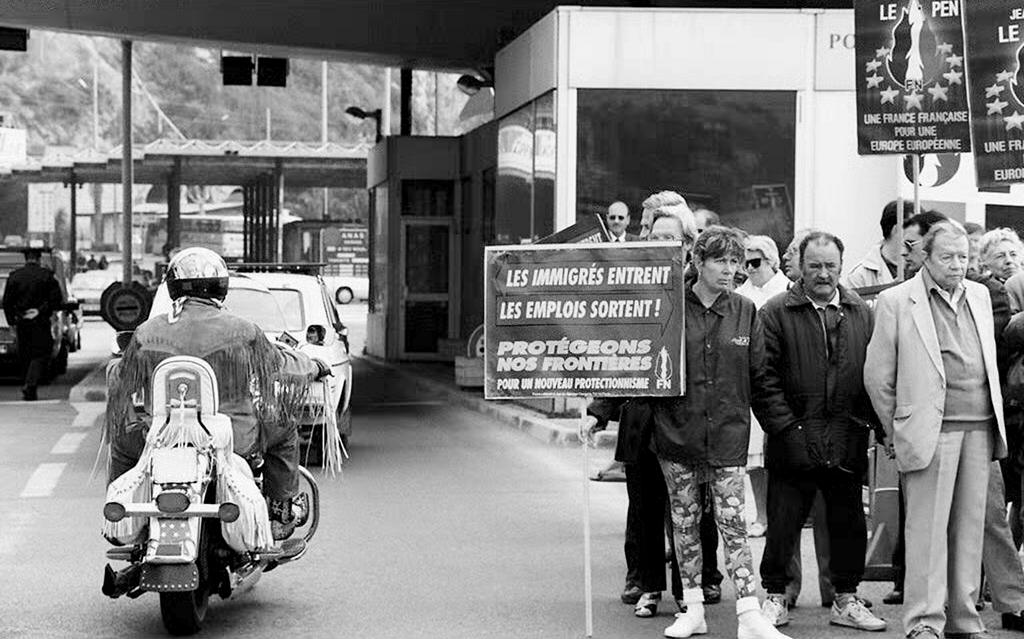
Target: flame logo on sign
[
  {"x": 663, "y": 366},
  {"x": 912, "y": 62},
  {"x": 935, "y": 168}
]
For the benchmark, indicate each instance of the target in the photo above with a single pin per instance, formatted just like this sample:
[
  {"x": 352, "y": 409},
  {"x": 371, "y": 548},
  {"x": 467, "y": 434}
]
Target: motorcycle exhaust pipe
[{"x": 243, "y": 580}]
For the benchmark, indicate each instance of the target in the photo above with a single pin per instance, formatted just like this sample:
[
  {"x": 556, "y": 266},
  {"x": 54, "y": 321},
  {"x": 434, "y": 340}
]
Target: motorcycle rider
[{"x": 262, "y": 385}]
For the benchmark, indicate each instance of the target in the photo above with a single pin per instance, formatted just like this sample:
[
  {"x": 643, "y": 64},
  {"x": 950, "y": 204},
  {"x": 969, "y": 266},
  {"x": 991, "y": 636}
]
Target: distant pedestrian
[
  {"x": 617, "y": 220},
  {"x": 92, "y": 264},
  {"x": 103, "y": 262},
  {"x": 974, "y": 233},
  {"x": 31, "y": 297},
  {"x": 932, "y": 374}
]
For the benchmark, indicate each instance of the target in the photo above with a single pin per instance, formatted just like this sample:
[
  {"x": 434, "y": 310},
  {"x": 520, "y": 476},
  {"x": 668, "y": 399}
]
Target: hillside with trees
[{"x": 178, "y": 93}]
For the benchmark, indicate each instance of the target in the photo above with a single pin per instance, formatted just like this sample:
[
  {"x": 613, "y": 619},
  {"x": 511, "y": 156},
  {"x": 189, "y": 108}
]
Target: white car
[
  {"x": 345, "y": 288},
  {"x": 88, "y": 286},
  {"x": 306, "y": 303},
  {"x": 291, "y": 308}
]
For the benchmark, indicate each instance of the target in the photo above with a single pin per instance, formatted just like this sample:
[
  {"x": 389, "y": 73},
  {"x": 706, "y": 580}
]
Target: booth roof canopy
[
  {"x": 202, "y": 162},
  {"x": 437, "y": 34}
]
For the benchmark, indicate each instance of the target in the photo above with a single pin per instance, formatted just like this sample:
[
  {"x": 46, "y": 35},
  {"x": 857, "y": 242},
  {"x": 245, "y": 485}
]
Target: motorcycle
[{"x": 164, "y": 513}]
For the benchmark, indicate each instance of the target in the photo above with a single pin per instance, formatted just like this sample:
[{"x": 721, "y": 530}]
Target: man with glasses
[
  {"x": 617, "y": 220},
  {"x": 914, "y": 229}
]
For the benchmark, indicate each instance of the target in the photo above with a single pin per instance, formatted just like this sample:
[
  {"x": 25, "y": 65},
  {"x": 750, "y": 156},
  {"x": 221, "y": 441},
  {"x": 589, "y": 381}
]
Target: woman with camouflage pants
[{"x": 702, "y": 436}]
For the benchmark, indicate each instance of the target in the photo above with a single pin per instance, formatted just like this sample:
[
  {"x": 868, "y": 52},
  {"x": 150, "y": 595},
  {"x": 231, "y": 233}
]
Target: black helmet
[{"x": 197, "y": 272}]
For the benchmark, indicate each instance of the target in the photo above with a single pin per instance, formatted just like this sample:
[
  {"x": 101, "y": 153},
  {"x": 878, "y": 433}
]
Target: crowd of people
[{"x": 791, "y": 375}]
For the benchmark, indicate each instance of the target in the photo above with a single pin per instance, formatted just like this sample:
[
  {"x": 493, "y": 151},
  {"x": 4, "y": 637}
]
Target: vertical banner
[
  {"x": 995, "y": 60},
  {"x": 583, "y": 319},
  {"x": 911, "y": 95}
]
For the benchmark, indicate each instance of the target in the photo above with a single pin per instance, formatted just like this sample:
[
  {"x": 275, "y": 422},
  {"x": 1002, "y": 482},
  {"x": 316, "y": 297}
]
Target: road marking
[
  {"x": 13, "y": 402},
  {"x": 88, "y": 413},
  {"x": 15, "y": 526},
  {"x": 68, "y": 444},
  {"x": 43, "y": 481}
]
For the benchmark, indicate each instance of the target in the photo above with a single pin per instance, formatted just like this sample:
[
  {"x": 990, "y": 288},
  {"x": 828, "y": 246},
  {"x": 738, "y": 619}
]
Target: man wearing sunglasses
[
  {"x": 914, "y": 230},
  {"x": 617, "y": 220}
]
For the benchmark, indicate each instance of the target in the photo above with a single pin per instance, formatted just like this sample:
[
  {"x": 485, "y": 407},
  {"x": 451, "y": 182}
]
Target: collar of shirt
[
  {"x": 718, "y": 306},
  {"x": 619, "y": 238},
  {"x": 834, "y": 302},
  {"x": 950, "y": 298}
]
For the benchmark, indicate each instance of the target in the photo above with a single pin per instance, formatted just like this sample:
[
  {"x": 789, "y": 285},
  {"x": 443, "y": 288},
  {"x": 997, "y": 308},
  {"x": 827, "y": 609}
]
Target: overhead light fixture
[
  {"x": 362, "y": 114},
  {"x": 471, "y": 85},
  {"x": 13, "y": 39},
  {"x": 236, "y": 70},
  {"x": 271, "y": 72}
]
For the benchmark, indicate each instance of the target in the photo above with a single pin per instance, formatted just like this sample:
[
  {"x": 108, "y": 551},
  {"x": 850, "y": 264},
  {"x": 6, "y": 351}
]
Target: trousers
[
  {"x": 790, "y": 497},
  {"x": 727, "y": 489},
  {"x": 944, "y": 532}
]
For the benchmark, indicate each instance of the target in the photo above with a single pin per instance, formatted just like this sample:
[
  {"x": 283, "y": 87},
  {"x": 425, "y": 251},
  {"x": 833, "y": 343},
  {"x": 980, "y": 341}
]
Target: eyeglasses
[
  {"x": 911, "y": 244},
  {"x": 616, "y": 217},
  {"x": 754, "y": 263}
]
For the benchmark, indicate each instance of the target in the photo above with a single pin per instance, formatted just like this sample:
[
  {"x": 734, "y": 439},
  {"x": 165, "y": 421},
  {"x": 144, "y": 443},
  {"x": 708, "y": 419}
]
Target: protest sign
[
  {"x": 995, "y": 66},
  {"x": 583, "y": 319},
  {"x": 589, "y": 229},
  {"x": 911, "y": 95}
]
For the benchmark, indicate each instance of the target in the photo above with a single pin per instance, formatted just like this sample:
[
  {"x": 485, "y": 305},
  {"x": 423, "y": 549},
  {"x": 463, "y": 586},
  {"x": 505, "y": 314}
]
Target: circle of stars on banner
[{"x": 912, "y": 98}]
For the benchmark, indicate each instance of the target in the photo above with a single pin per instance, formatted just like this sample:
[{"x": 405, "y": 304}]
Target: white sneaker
[
  {"x": 774, "y": 609},
  {"x": 853, "y": 614},
  {"x": 754, "y": 625},
  {"x": 688, "y": 623}
]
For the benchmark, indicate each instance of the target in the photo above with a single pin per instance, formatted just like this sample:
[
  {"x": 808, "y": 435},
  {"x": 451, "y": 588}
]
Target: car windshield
[
  {"x": 258, "y": 307},
  {"x": 290, "y": 301}
]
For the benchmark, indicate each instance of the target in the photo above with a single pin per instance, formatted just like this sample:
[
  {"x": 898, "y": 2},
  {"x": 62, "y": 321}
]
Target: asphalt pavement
[{"x": 444, "y": 523}]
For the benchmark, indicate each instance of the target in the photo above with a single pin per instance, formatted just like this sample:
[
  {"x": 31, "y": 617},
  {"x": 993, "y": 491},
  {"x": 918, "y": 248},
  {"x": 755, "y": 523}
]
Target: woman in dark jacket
[{"x": 703, "y": 435}]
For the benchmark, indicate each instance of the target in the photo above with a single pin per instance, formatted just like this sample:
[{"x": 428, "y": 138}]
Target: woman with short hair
[{"x": 702, "y": 436}]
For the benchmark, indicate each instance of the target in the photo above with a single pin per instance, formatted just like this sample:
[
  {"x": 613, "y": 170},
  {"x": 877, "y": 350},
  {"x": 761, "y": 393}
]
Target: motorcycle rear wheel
[{"x": 184, "y": 612}]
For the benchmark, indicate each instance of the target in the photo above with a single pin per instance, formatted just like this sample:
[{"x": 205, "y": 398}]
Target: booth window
[
  {"x": 525, "y": 184},
  {"x": 731, "y": 151},
  {"x": 428, "y": 198},
  {"x": 379, "y": 249}
]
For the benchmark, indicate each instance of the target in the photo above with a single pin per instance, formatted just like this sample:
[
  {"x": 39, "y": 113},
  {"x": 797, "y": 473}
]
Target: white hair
[{"x": 768, "y": 249}]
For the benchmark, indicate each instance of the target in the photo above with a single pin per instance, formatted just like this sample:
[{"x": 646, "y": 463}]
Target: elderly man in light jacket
[{"x": 932, "y": 377}]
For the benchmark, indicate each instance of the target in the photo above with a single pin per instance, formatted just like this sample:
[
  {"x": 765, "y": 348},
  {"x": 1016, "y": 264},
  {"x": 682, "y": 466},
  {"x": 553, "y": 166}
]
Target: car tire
[{"x": 344, "y": 295}]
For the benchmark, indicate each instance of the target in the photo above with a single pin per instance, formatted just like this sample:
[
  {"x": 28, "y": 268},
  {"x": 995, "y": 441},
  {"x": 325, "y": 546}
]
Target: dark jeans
[
  {"x": 790, "y": 496},
  {"x": 648, "y": 523},
  {"x": 280, "y": 460}
]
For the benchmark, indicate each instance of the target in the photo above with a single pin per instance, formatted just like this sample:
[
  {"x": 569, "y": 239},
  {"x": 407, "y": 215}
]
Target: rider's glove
[{"x": 322, "y": 369}]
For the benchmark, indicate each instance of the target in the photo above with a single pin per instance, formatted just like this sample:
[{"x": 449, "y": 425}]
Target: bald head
[{"x": 617, "y": 218}]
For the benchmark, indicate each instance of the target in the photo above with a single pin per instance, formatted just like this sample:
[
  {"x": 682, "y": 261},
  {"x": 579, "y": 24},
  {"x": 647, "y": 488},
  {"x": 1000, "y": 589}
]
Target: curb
[
  {"x": 562, "y": 432},
  {"x": 92, "y": 388}
]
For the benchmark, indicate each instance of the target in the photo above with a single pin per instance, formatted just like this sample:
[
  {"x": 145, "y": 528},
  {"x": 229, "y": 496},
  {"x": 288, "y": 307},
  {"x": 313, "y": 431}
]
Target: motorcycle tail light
[
  {"x": 113, "y": 511},
  {"x": 228, "y": 512},
  {"x": 172, "y": 502}
]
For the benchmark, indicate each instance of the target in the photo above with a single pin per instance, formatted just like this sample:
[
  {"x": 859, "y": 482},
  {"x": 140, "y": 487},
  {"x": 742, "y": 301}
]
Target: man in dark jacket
[
  {"x": 816, "y": 415},
  {"x": 31, "y": 297}
]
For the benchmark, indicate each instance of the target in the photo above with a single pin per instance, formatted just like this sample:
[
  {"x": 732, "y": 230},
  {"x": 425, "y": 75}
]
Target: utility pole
[
  {"x": 127, "y": 169},
  {"x": 385, "y": 111},
  {"x": 95, "y": 102},
  {"x": 323, "y": 128}
]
